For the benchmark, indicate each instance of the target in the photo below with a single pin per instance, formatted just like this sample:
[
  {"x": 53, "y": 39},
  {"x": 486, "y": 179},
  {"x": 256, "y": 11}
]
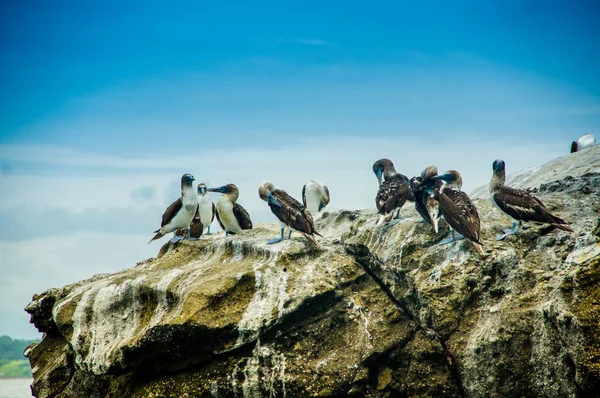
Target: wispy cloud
[{"x": 308, "y": 42}]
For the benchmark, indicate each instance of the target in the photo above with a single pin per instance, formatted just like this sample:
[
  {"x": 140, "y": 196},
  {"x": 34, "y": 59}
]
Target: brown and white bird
[
  {"x": 180, "y": 213},
  {"x": 206, "y": 208},
  {"x": 425, "y": 203},
  {"x": 457, "y": 209},
  {"x": 315, "y": 196},
  {"x": 289, "y": 211},
  {"x": 232, "y": 217},
  {"x": 393, "y": 192},
  {"x": 518, "y": 204}
]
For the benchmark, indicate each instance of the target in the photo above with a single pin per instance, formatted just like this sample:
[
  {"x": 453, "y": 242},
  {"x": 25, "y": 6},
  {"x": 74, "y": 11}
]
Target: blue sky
[{"x": 104, "y": 105}]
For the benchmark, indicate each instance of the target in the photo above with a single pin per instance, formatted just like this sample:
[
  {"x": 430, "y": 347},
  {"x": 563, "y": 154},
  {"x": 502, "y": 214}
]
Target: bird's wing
[
  {"x": 219, "y": 219},
  {"x": 171, "y": 211},
  {"x": 292, "y": 213},
  {"x": 214, "y": 211},
  {"x": 324, "y": 198},
  {"x": 242, "y": 216},
  {"x": 304, "y": 194},
  {"x": 460, "y": 212}
]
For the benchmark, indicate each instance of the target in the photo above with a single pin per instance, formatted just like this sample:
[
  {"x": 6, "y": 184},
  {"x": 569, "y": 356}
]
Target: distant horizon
[{"x": 105, "y": 106}]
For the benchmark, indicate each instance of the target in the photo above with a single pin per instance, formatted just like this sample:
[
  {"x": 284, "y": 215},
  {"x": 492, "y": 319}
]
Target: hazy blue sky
[{"x": 104, "y": 105}]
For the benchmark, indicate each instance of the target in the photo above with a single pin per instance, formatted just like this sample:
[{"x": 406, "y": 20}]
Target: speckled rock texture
[{"x": 377, "y": 311}]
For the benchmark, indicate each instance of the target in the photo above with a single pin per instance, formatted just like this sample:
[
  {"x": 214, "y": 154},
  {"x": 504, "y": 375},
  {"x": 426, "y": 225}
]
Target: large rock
[{"x": 376, "y": 311}]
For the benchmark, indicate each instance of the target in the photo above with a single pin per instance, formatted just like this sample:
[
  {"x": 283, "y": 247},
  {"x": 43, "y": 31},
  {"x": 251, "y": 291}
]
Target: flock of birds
[{"x": 433, "y": 195}]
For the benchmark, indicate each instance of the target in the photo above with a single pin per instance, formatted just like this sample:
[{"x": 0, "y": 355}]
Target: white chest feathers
[
  {"x": 205, "y": 210},
  {"x": 225, "y": 209},
  {"x": 313, "y": 195}
]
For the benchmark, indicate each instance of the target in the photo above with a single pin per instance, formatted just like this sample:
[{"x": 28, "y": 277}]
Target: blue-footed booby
[
  {"x": 425, "y": 203},
  {"x": 518, "y": 204},
  {"x": 315, "y": 196},
  {"x": 180, "y": 213},
  {"x": 232, "y": 217},
  {"x": 393, "y": 191},
  {"x": 206, "y": 208},
  {"x": 289, "y": 211},
  {"x": 583, "y": 142},
  {"x": 457, "y": 209}
]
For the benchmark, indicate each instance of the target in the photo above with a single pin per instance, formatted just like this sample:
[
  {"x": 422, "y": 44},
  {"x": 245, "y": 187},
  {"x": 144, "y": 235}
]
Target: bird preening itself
[
  {"x": 518, "y": 204},
  {"x": 425, "y": 203},
  {"x": 232, "y": 217},
  {"x": 583, "y": 142},
  {"x": 457, "y": 209},
  {"x": 315, "y": 196},
  {"x": 180, "y": 213},
  {"x": 393, "y": 192},
  {"x": 289, "y": 211}
]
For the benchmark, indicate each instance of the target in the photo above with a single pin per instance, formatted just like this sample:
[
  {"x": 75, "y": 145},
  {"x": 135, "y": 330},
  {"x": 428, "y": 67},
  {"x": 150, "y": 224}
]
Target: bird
[
  {"x": 232, "y": 217},
  {"x": 385, "y": 168},
  {"x": 206, "y": 208},
  {"x": 289, "y": 211},
  {"x": 457, "y": 209},
  {"x": 180, "y": 213},
  {"x": 582, "y": 142},
  {"x": 315, "y": 196},
  {"x": 518, "y": 204},
  {"x": 393, "y": 192},
  {"x": 422, "y": 190}
]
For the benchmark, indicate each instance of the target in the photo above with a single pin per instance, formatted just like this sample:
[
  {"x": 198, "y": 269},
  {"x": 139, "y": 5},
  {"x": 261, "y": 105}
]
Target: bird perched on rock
[
  {"x": 232, "y": 217},
  {"x": 289, "y": 211},
  {"x": 518, "y": 204},
  {"x": 393, "y": 192},
  {"x": 180, "y": 213},
  {"x": 315, "y": 196},
  {"x": 457, "y": 209},
  {"x": 582, "y": 142},
  {"x": 422, "y": 190},
  {"x": 206, "y": 208}
]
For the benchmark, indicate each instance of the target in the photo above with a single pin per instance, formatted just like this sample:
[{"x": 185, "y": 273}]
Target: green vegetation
[{"x": 12, "y": 361}]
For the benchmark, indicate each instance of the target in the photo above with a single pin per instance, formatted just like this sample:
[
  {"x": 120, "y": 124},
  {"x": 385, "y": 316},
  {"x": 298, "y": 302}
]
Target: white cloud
[{"x": 33, "y": 264}]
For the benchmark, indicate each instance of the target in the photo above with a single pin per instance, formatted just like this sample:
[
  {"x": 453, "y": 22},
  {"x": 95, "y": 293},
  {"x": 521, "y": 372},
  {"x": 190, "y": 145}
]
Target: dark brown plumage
[
  {"x": 460, "y": 213},
  {"x": 289, "y": 211},
  {"x": 391, "y": 196},
  {"x": 425, "y": 204},
  {"x": 519, "y": 204}
]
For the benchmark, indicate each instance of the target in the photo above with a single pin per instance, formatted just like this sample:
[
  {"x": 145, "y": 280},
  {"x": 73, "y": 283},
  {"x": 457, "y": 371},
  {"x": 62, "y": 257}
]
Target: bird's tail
[
  {"x": 478, "y": 247},
  {"x": 157, "y": 236},
  {"x": 564, "y": 226},
  {"x": 311, "y": 239},
  {"x": 435, "y": 224}
]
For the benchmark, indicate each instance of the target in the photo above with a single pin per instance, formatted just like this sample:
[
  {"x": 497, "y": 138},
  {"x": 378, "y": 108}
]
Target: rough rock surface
[{"x": 376, "y": 311}]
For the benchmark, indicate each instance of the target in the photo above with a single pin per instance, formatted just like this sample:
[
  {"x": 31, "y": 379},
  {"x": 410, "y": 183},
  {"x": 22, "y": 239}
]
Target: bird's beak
[
  {"x": 219, "y": 189},
  {"x": 203, "y": 190},
  {"x": 274, "y": 201},
  {"x": 379, "y": 174}
]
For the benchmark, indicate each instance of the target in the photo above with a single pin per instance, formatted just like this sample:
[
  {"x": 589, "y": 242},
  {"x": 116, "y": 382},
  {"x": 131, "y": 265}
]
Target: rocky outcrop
[{"x": 377, "y": 311}]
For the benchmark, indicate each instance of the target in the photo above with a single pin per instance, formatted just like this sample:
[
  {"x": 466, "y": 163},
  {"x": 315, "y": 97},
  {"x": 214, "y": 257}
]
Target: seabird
[
  {"x": 181, "y": 212},
  {"x": 518, "y": 204},
  {"x": 458, "y": 210},
  {"x": 289, "y": 211},
  {"x": 315, "y": 196},
  {"x": 206, "y": 208},
  {"x": 232, "y": 217},
  {"x": 422, "y": 190},
  {"x": 393, "y": 192},
  {"x": 583, "y": 142}
]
